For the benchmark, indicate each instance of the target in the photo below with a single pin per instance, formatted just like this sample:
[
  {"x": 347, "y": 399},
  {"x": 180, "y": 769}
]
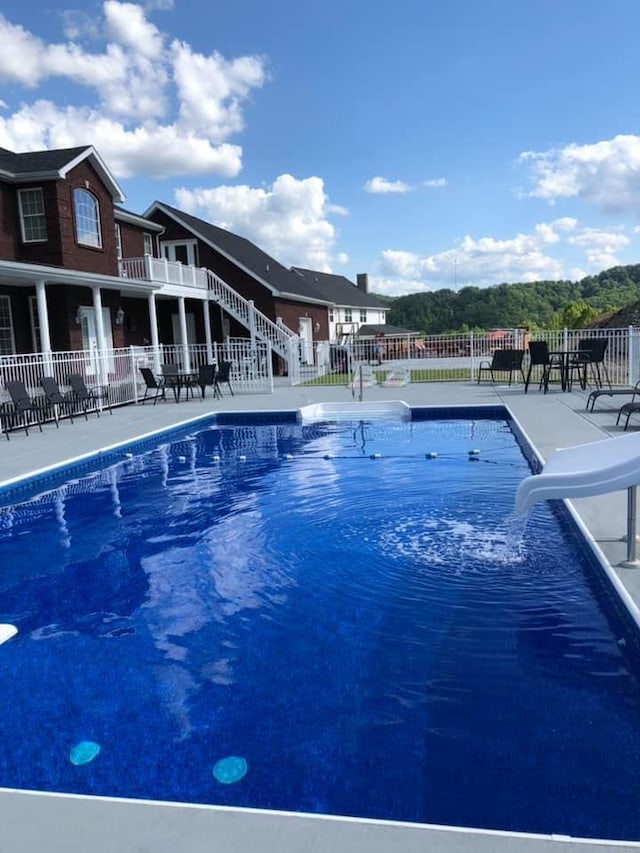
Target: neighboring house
[{"x": 352, "y": 306}]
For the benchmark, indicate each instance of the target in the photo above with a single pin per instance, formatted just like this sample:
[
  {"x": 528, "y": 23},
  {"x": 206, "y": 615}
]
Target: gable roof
[
  {"x": 54, "y": 165},
  {"x": 339, "y": 289},
  {"x": 122, "y": 215},
  {"x": 243, "y": 253}
]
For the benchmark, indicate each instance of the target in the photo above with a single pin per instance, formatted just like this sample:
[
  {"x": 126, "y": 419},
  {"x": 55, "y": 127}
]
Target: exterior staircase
[{"x": 278, "y": 336}]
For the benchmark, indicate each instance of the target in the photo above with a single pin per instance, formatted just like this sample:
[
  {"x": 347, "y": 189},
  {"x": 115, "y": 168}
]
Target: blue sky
[{"x": 428, "y": 144}]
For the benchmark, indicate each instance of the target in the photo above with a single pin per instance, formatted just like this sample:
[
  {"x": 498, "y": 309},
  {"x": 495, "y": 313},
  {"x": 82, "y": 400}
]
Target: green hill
[{"x": 538, "y": 304}]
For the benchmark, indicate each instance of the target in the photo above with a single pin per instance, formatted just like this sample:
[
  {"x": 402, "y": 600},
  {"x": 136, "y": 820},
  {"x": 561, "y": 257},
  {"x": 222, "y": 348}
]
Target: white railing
[
  {"x": 119, "y": 369},
  {"x": 447, "y": 358},
  {"x": 243, "y": 310},
  {"x": 161, "y": 269},
  {"x": 277, "y": 335}
]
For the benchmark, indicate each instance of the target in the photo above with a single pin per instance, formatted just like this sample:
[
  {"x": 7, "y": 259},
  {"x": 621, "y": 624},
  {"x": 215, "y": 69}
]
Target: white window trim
[
  {"x": 22, "y": 215},
  {"x": 81, "y": 242},
  {"x": 146, "y": 237},
  {"x": 118, "y": 241}
]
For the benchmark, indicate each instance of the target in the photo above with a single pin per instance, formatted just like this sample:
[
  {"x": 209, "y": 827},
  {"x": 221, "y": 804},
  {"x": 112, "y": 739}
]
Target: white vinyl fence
[
  {"x": 119, "y": 369},
  {"x": 447, "y": 358}
]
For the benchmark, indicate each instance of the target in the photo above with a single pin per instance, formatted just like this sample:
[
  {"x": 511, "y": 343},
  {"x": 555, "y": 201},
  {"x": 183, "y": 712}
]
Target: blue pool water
[{"x": 309, "y": 628}]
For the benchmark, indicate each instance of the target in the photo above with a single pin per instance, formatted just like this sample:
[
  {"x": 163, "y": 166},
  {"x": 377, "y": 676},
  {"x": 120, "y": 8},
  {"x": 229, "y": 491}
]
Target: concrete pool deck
[{"x": 54, "y": 822}]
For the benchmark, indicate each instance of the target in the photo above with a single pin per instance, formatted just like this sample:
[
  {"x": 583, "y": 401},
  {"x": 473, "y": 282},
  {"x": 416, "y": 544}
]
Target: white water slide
[{"x": 585, "y": 470}]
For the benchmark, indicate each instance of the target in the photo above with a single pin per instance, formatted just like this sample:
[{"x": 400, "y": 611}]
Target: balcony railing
[{"x": 161, "y": 269}]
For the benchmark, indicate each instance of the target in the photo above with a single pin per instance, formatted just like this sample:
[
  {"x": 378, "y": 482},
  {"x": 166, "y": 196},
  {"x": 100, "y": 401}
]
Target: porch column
[
  {"x": 206, "y": 316},
  {"x": 155, "y": 338},
  {"x": 102, "y": 341},
  {"x": 182, "y": 314},
  {"x": 43, "y": 322}
]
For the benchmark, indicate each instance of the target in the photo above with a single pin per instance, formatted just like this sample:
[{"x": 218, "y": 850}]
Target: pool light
[
  {"x": 231, "y": 769},
  {"x": 84, "y": 752}
]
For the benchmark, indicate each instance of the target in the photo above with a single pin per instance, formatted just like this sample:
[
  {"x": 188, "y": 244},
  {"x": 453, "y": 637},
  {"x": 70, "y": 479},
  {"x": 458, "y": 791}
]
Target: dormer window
[
  {"x": 87, "y": 215},
  {"x": 33, "y": 223}
]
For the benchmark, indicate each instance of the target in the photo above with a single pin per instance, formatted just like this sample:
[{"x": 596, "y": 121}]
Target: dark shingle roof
[
  {"x": 383, "y": 329},
  {"x": 339, "y": 289},
  {"x": 266, "y": 268},
  {"x": 30, "y": 162}
]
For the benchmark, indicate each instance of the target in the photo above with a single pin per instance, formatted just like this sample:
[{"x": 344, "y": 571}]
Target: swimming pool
[{"x": 343, "y": 609}]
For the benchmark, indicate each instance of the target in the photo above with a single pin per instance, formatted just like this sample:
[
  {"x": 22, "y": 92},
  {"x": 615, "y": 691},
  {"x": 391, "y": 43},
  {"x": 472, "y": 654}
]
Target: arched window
[{"x": 87, "y": 215}]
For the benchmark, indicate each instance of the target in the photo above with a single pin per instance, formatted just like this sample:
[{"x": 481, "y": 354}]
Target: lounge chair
[
  {"x": 628, "y": 409},
  {"x": 84, "y": 397},
  {"x": 23, "y": 406},
  {"x": 223, "y": 374},
  {"x": 612, "y": 392},
  {"x": 503, "y": 361},
  {"x": 58, "y": 401},
  {"x": 153, "y": 386}
]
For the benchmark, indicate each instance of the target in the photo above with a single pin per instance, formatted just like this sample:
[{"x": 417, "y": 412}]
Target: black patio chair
[
  {"x": 503, "y": 361},
  {"x": 207, "y": 376},
  {"x": 23, "y": 406},
  {"x": 83, "y": 396},
  {"x": 539, "y": 357},
  {"x": 59, "y": 401},
  {"x": 223, "y": 374},
  {"x": 590, "y": 354},
  {"x": 153, "y": 387}
]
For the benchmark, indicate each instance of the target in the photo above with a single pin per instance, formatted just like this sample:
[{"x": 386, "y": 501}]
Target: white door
[
  {"x": 90, "y": 336},
  {"x": 182, "y": 251},
  {"x": 305, "y": 330}
]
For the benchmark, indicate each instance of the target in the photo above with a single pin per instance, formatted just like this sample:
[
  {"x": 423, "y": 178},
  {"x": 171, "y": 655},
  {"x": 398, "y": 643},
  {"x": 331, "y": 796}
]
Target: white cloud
[
  {"x": 154, "y": 151},
  {"x": 486, "y": 261},
  {"x": 600, "y": 246},
  {"x": 382, "y": 185},
  {"x": 152, "y": 108},
  {"x": 605, "y": 173},
  {"x": 396, "y": 286},
  {"x": 125, "y": 24},
  {"x": 342, "y": 258},
  {"x": 434, "y": 182},
  {"x": 288, "y": 219}
]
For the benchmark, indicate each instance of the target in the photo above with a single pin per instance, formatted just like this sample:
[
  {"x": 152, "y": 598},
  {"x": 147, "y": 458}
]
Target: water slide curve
[{"x": 590, "y": 469}]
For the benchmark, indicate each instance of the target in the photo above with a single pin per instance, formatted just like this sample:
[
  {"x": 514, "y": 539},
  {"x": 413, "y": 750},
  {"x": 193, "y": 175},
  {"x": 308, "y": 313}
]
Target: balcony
[{"x": 163, "y": 270}]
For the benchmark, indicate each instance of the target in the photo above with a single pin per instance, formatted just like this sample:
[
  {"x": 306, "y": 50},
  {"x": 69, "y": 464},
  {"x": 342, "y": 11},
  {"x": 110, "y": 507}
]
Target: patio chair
[
  {"x": 590, "y": 354},
  {"x": 22, "y": 406},
  {"x": 153, "y": 386},
  {"x": 58, "y": 401},
  {"x": 207, "y": 376},
  {"x": 539, "y": 357},
  {"x": 503, "y": 361},
  {"x": 223, "y": 374},
  {"x": 84, "y": 396}
]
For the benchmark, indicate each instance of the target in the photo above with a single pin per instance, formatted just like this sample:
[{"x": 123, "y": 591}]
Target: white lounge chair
[{"x": 397, "y": 377}]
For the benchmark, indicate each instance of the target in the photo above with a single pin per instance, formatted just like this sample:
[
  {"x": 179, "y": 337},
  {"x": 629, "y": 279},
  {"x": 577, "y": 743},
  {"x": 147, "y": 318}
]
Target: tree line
[{"x": 538, "y": 304}]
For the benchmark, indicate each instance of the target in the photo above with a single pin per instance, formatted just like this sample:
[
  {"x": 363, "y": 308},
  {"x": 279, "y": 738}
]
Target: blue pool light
[
  {"x": 231, "y": 769},
  {"x": 84, "y": 752}
]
